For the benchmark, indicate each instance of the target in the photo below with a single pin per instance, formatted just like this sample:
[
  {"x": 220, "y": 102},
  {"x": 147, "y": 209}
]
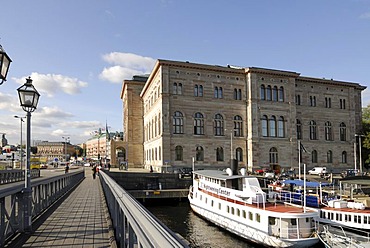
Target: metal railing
[
  {"x": 44, "y": 193},
  {"x": 134, "y": 225},
  {"x": 11, "y": 176}
]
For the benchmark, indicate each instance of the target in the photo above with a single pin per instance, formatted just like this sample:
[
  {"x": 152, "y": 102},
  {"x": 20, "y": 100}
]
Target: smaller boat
[{"x": 334, "y": 237}]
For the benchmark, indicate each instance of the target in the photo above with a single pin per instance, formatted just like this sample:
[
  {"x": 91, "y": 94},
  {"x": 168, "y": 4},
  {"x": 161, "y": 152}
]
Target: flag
[{"x": 303, "y": 148}]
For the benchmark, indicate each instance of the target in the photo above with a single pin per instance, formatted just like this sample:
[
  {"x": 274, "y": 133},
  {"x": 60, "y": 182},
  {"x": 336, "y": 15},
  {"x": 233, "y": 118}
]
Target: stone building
[
  {"x": 55, "y": 151},
  {"x": 211, "y": 114}
]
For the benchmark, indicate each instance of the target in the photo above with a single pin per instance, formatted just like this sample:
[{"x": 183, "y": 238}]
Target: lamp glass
[
  {"x": 4, "y": 63},
  {"x": 28, "y": 96}
]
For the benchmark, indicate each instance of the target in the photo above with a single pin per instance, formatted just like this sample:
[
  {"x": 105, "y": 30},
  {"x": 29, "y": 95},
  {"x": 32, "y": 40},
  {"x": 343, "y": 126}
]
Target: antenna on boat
[
  {"x": 304, "y": 187},
  {"x": 193, "y": 165}
]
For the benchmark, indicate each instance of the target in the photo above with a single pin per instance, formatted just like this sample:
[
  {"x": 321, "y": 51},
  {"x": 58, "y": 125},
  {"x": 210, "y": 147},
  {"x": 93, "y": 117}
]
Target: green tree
[{"x": 366, "y": 138}]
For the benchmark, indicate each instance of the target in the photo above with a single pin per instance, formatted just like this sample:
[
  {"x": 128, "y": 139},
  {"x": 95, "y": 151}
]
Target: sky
[{"x": 78, "y": 52}]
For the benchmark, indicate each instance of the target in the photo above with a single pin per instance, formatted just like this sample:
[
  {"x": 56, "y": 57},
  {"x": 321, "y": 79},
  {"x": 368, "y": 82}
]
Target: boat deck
[
  {"x": 285, "y": 208},
  {"x": 349, "y": 210}
]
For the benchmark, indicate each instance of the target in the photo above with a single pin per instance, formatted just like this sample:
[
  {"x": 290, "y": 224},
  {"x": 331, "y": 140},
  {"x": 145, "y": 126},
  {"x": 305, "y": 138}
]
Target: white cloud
[
  {"x": 365, "y": 15},
  {"x": 125, "y": 65},
  {"x": 50, "y": 84}
]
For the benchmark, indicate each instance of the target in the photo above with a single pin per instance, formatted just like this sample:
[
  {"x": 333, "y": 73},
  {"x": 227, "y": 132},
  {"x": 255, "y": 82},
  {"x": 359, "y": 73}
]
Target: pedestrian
[
  {"x": 94, "y": 171},
  {"x": 67, "y": 168},
  {"x": 108, "y": 166}
]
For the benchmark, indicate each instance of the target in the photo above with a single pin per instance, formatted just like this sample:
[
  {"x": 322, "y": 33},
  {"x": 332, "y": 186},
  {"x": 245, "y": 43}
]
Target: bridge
[{"x": 73, "y": 209}]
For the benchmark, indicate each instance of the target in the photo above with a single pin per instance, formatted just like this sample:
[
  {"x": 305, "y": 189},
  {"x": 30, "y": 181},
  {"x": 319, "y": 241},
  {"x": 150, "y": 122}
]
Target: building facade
[
  {"x": 55, "y": 151},
  {"x": 187, "y": 112}
]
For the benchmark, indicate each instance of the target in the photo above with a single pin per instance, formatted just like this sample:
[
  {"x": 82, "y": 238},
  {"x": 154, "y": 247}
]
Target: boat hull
[{"x": 249, "y": 232}]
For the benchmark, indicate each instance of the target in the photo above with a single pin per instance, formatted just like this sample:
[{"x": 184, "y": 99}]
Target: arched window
[
  {"x": 198, "y": 124},
  {"x": 313, "y": 130},
  {"x": 218, "y": 125},
  {"x": 179, "y": 89},
  {"x": 159, "y": 124},
  {"x": 263, "y": 92},
  {"x": 155, "y": 126},
  {"x": 299, "y": 129},
  {"x": 219, "y": 154},
  {"x": 199, "y": 156},
  {"x": 239, "y": 94},
  {"x": 174, "y": 88},
  {"x": 281, "y": 94},
  {"x": 178, "y": 123},
  {"x": 272, "y": 123},
  {"x": 179, "y": 153},
  {"x": 281, "y": 127},
  {"x": 328, "y": 131},
  {"x": 329, "y": 157},
  {"x": 298, "y": 99},
  {"x": 314, "y": 156},
  {"x": 200, "y": 90},
  {"x": 268, "y": 93},
  {"x": 273, "y": 156},
  {"x": 344, "y": 157},
  {"x": 264, "y": 126},
  {"x": 238, "y": 126},
  {"x": 342, "y": 132},
  {"x": 275, "y": 93},
  {"x": 196, "y": 90},
  {"x": 220, "y": 92},
  {"x": 235, "y": 94},
  {"x": 239, "y": 154}
]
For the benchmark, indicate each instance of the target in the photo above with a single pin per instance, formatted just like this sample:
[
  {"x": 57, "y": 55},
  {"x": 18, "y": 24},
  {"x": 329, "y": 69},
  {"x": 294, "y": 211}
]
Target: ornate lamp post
[
  {"x": 29, "y": 98},
  {"x": 4, "y": 65},
  {"x": 21, "y": 150}
]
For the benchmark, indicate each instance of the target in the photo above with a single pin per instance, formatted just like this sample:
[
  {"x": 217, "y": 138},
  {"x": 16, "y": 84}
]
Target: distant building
[
  {"x": 56, "y": 151},
  {"x": 255, "y": 115}
]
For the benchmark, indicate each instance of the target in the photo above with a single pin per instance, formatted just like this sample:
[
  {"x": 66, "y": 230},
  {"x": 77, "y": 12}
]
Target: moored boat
[{"x": 237, "y": 203}]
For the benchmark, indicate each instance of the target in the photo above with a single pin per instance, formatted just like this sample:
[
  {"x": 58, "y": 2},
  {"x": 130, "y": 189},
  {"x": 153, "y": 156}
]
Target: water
[{"x": 197, "y": 231}]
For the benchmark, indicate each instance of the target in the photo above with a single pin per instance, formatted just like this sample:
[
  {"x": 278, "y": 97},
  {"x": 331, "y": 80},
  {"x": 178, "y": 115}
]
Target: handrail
[
  {"x": 45, "y": 191},
  {"x": 11, "y": 176},
  {"x": 133, "y": 224}
]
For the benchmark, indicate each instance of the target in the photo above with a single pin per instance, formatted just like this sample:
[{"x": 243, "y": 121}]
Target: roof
[
  {"x": 308, "y": 184},
  {"x": 217, "y": 174}
]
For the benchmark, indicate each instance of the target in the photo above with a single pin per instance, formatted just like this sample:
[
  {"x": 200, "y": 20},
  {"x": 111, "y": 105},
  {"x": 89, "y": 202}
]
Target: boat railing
[
  {"x": 334, "y": 235},
  {"x": 297, "y": 232}
]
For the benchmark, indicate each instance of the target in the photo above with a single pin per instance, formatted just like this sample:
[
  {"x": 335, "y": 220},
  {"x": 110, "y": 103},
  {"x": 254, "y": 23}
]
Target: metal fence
[
  {"x": 135, "y": 226},
  {"x": 44, "y": 193},
  {"x": 11, "y": 176}
]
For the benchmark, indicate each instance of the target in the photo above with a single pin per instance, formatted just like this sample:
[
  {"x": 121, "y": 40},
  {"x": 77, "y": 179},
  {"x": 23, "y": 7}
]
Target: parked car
[
  {"x": 269, "y": 174},
  {"x": 317, "y": 171},
  {"x": 261, "y": 171},
  {"x": 185, "y": 172},
  {"x": 290, "y": 174},
  {"x": 43, "y": 166},
  {"x": 349, "y": 173}
]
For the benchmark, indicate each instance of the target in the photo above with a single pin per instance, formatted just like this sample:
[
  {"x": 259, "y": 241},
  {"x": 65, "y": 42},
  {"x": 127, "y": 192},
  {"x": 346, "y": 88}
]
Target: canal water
[{"x": 197, "y": 231}]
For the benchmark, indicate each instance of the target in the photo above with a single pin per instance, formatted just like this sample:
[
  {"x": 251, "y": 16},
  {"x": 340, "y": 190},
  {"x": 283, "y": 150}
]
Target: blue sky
[{"x": 79, "y": 52}]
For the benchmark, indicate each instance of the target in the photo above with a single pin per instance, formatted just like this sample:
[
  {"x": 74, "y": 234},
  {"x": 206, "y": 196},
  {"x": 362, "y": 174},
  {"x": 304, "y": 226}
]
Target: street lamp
[
  {"x": 29, "y": 98},
  {"x": 21, "y": 151},
  {"x": 66, "y": 139},
  {"x": 4, "y": 65}
]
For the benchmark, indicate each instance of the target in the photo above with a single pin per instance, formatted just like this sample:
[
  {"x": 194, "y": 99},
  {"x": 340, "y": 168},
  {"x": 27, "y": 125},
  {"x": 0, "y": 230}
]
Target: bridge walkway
[{"x": 79, "y": 221}]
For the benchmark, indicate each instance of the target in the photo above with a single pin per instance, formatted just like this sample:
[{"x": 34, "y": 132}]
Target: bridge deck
[{"x": 79, "y": 221}]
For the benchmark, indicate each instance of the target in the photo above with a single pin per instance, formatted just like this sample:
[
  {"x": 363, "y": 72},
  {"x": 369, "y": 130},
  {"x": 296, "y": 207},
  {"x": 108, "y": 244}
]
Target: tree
[{"x": 366, "y": 138}]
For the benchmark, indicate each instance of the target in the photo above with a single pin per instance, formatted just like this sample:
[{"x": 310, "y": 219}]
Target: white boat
[
  {"x": 339, "y": 238},
  {"x": 347, "y": 213},
  {"x": 238, "y": 204}
]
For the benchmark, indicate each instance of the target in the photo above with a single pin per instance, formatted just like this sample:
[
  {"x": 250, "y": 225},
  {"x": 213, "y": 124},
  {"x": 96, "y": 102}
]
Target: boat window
[
  {"x": 250, "y": 215},
  {"x": 228, "y": 209},
  {"x": 238, "y": 212},
  {"x": 258, "y": 217},
  {"x": 307, "y": 220},
  {"x": 244, "y": 214},
  {"x": 232, "y": 211},
  {"x": 293, "y": 222},
  {"x": 200, "y": 197},
  {"x": 196, "y": 195},
  {"x": 337, "y": 216},
  {"x": 272, "y": 221},
  {"x": 211, "y": 203},
  {"x": 340, "y": 217},
  {"x": 365, "y": 219},
  {"x": 346, "y": 217},
  {"x": 205, "y": 200},
  {"x": 355, "y": 218},
  {"x": 219, "y": 205}
]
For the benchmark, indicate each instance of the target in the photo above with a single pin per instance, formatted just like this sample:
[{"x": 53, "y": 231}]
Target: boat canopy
[{"x": 308, "y": 184}]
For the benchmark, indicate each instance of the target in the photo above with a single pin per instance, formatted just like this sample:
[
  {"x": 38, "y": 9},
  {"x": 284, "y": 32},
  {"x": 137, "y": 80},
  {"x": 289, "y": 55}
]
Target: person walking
[{"x": 94, "y": 171}]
